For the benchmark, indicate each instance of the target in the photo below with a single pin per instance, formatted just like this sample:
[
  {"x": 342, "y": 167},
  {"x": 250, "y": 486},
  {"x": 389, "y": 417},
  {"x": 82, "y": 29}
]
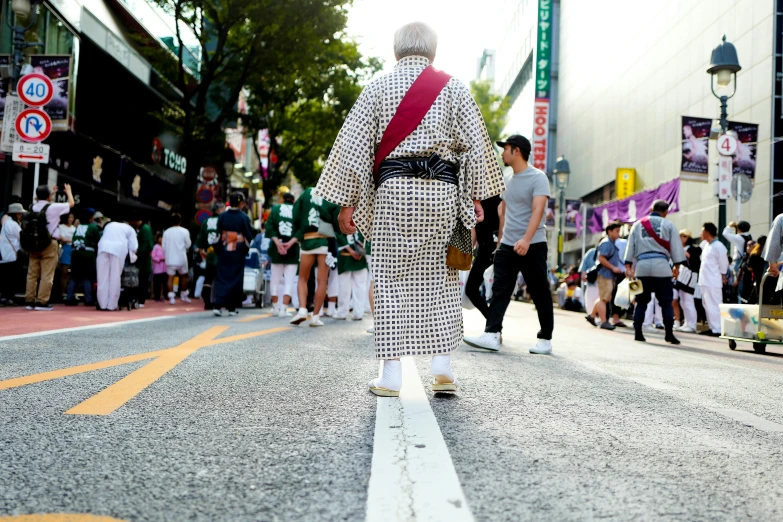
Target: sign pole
[{"x": 35, "y": 179}]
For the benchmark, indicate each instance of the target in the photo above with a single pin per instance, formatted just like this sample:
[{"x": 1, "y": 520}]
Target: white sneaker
[
  {"x": 284, "y": 313},
  {"x": 140, "y": 305},
  {"x": 299, "y": 318},
  {"x": 172, "y": 299},
  {"x": 542, "y": 347},
  {"x": 390, "y": 381},
  {"x": 676, "y": 325},
  {"x": 648, "y": 328},
  {"x": 217, "y": 312},
  {"x": 357, "y": 318},
  {"x": 185, "y": 299},
  {"x": 315, "y": 322},
  {"x": 339, "y": 317},
  {"x": 487, "y": 341},
  {"x": 371, "y": 330},
  {"x": 232, "y": 313},
  {"x": 686, "y": 328}
]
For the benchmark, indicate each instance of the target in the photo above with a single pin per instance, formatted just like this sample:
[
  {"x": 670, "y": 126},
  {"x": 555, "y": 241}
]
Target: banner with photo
[
  {"x": 572, "y": 211},
  {"x": 695, "y": 148},
  {"x": 58, "y": 68},
  {"x": 550, "y": 213},
  {"x": 747, "y": 135}
]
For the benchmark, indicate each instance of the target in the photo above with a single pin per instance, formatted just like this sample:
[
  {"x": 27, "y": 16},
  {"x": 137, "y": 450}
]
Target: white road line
[
  {"x": 88, "y": 327},
  {"x": 652, "y": 383},
  {"x": 412, "y": 477},
  {"x": 747, "y": 418}
]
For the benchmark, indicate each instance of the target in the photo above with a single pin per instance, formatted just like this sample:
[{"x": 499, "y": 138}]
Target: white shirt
[
  {"x": 714, "y": 264},
  {"x": 176, "y": 241},
  {"x": 119, "y": 239},
  {"x": 53, "y": 214},
  {"x": 66, "y": 232},
  {"x": 737, "y": 241},
  {"x": 10, "y": 234}
]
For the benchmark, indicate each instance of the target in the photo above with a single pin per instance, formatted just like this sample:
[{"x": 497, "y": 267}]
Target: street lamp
[
  {"x": 724, "y": 66},
  {"x": 561, "y": 173}
]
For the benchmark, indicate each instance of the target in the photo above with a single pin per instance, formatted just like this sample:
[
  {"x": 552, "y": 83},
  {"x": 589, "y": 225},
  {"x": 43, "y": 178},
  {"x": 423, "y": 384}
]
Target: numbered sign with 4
[{"x": 36, "y": 89}]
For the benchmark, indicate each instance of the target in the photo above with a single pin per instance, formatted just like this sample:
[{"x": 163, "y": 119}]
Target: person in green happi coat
[
  {"x": 352, "y": 267},
  {"x": 146, "y": 241},
  {"x": 283, "y": 252}
]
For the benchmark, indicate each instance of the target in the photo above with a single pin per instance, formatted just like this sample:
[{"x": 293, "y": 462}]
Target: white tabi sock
[
  {"x": 331, "y": 309},
  {"x": 391, "y": 377},
  {"x": 440, "y": 368},
  {"x": 302, "y": 311}
]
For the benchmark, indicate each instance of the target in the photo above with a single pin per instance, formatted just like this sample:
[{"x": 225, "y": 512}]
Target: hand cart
[{"x": 760, "y": 324}]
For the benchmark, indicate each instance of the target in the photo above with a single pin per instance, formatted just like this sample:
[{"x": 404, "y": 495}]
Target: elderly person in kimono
[
  {"x": 413, "y": 160},
  {"x": 235, "y": 232},
  {"x": 654, "y": 246}
]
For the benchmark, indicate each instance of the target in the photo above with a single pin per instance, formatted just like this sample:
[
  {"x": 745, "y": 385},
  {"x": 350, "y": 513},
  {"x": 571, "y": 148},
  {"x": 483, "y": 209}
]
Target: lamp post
[
  {"x": 724, "y": 66},
  {"x": 561, "y": 173},
  {"x": 20, "y": 9}
]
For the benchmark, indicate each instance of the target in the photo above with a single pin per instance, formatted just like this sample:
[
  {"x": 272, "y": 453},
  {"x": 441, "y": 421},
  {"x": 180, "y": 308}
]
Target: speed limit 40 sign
[
  {"x": 727, "y": 145},
  {"x": 35, "y": 89}
]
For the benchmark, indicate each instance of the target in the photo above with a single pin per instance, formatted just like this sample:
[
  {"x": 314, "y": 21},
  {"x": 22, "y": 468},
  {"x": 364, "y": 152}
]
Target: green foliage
[
  {"x": 303, "y": 105},
  {"x": 494, "y": 108}
]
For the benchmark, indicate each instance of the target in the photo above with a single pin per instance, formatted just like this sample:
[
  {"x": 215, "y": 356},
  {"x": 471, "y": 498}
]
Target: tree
[
  {"x": 494, "y": 108},
  {"x": 236, "y": 39},
  {"x": 304, "y": 106}
]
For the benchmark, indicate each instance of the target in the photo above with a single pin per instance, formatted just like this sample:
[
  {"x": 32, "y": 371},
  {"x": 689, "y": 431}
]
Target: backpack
[{"x": 35, "y": 235}]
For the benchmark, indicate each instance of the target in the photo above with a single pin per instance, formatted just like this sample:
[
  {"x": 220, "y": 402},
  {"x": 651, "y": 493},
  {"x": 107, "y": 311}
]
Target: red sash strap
[
  {"x": 414, "y": 106},
  {"x": 658, "y": 239}
]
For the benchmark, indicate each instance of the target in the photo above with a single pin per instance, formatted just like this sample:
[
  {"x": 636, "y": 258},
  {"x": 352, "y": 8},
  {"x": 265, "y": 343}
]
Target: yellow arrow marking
[{"x": 113, "y": 397}]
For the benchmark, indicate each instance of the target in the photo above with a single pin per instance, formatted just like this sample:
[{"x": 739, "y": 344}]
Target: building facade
[{"x": 627, "y": 73}]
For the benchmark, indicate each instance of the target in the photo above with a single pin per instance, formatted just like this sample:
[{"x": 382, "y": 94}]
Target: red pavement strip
[{"x": 17, "y": 321}]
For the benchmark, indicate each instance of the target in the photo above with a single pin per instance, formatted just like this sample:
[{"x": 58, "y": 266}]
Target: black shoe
[
  {"x": 590, "y": 319},
  {"x": 607, "y": 326},
  {"x": 671, "y": 339},
  {"x": 71, "y": 303},
  {"x": 639, "y": 336},
  {"x": 709, "y": 333}
]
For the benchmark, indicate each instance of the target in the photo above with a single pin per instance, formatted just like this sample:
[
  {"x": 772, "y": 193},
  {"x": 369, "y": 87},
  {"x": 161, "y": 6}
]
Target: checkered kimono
[{"x": 410, "y": 220}]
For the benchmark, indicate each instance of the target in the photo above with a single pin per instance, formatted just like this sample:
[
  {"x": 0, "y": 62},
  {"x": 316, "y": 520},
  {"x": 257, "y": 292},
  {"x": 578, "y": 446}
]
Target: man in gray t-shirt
[
  {"x": 521, "y": 188},
  {"x": 522, "y": 247}
]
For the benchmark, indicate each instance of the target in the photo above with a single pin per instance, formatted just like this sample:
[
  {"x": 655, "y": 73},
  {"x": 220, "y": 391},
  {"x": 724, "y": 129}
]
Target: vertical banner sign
[
  {"x": 543, "y": 86},
  {"x": 625, "y": 183},
  {"x": 724, "y": 177},
  {"x": 572, "y": 210},
  {"x": 747, "y": 135},
  {"x": 549, "y": 217},
  {"x": 695, "y": 152}
]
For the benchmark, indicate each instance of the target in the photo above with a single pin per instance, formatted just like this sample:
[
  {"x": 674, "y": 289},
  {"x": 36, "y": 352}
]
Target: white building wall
[{"x": 629, "y": 70}]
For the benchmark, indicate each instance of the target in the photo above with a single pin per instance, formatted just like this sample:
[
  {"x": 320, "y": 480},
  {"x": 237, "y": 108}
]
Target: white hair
[{"x": 415, "y": 39}]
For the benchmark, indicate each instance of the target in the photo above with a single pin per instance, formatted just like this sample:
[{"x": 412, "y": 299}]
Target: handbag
[
  {"x": 459, "y": 251},
  {"x": 130, "y": 277},
  {"x": 592, "y": 274}
]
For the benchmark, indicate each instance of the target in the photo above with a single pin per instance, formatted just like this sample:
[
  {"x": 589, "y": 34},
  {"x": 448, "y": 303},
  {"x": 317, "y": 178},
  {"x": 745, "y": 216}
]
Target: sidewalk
[{"x": 16, "y": 321}]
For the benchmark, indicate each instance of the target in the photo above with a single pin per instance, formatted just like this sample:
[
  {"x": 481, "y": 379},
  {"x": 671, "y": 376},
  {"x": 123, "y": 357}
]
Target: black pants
[
  {"x": 534, "y": 269},
  {"x": 663, "y": 288},
  {"x": 144, "y": 285},
  {"x": 159, "y": 283},
  {"x": 9, "y": 279},
  {"x": 208, "y": 292},
  {"x": 476, "y": 278}
]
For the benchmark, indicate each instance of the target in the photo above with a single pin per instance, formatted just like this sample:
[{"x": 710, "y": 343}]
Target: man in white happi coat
[
  {"x": 712, "y": 277},
  {"x": 437, "y": 175}
]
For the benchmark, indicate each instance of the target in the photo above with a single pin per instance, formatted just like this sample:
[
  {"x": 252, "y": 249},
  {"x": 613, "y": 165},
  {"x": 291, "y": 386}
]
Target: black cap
[{"x": 517, "y": 141}]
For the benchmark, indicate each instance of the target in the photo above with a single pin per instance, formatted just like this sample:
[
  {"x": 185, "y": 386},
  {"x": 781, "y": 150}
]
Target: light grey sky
[{"x": 465, "y": 28}]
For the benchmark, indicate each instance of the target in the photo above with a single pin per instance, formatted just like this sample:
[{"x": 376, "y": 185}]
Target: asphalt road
[{"x": 280, "y": 426}]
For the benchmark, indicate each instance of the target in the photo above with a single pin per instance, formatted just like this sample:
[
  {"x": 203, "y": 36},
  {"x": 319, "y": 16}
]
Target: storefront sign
[
  {"x": 174, "y": 161},
  {"x": 625, "y": 183},
  {"x": 165, "y": 152},
  {"x": 540, "y": 134},
  {"x": 543, "y": 85}
]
